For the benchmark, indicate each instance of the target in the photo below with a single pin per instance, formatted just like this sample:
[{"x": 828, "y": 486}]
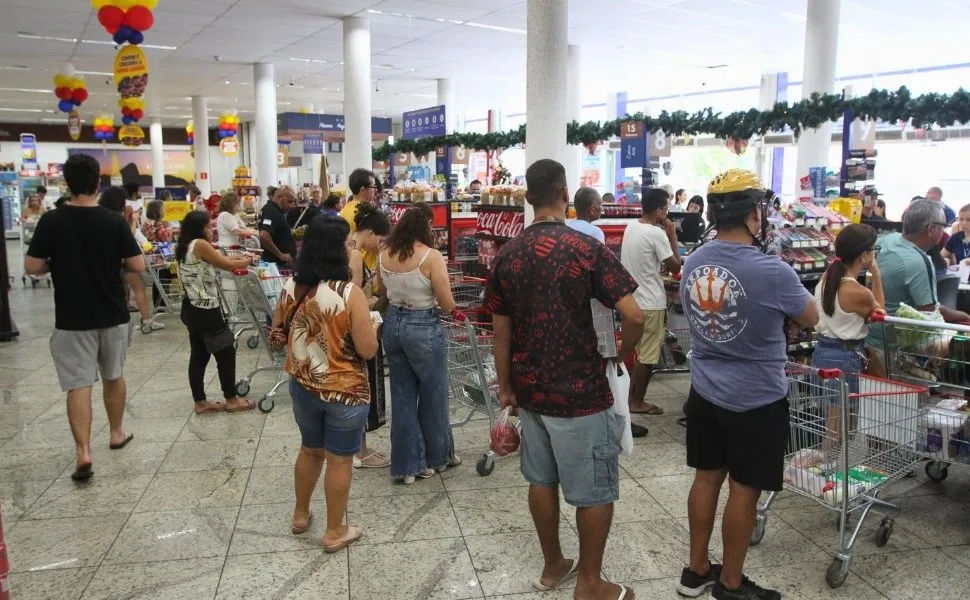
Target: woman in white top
[
  {"x": 231, "y": 229},
  {"x": 416, "y": 279},
  {"x": 209, "y": 335}
]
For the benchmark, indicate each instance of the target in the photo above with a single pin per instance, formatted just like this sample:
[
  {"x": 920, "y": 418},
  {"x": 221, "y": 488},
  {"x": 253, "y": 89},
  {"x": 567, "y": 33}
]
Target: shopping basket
[
  {"x": 251, "y": 290},
  {"x": 934, "y": 354},
  {"x": 472, "y": 380},
  {"x": 846, "y": 472}
]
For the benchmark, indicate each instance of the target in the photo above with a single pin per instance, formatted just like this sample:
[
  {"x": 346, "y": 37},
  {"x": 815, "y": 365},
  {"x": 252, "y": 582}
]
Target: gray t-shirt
[{"x": 736, "y": 300}]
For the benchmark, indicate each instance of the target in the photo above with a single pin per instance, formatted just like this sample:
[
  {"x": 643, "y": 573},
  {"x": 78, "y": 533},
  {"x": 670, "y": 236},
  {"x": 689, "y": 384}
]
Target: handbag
[
  {"x": 218, "y": 341},
  {"x": 280, "y": 334}
]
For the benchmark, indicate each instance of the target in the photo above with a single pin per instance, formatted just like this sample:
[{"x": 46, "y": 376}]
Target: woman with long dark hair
[
  {"x": 416, "y": 279},
  {"x": 209, "y": 335},
  {"x": 372, "y": 228},
  {"x": 331, "y": 335}
]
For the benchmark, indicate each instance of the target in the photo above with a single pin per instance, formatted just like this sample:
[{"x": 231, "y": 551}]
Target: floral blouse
[{"x": 156, "y": 231}]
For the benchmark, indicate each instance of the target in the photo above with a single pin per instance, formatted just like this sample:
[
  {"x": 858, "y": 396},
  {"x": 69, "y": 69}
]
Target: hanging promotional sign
[
  {"x": 312, "y": 143},
  {"x": 131, "y": 135},
  {"x": 74, "y": 125},
  {"x": 28, "y": 151},
  {"x": 229, "y": 146},
  {"x": 131, "y": 72},
  {"x": 633, "y": 145},
  {"x": 283, "y": 154},
  {"x": 427, "y": 122}
]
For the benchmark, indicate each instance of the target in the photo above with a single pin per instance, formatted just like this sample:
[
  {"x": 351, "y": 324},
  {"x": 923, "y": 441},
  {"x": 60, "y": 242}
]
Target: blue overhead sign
[
  {"x": 307, "y": 122},
  {"x": 633, "y": 145},
  {"x": 312, "y": 143},
  {"x": 427, "y": 122}
]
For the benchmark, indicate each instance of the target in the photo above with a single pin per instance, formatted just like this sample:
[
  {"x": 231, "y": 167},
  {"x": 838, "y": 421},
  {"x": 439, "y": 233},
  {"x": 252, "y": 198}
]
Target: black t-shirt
[
  {"x": 85, "y": 246},
  {"x": 272, "y": 219},
  {"x": 544, "y": 279}
]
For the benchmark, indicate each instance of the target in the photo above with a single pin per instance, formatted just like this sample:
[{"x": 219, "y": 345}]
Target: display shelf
[
  {"x": 477, "y": 208},
  {"x": 440, "y": 224}
]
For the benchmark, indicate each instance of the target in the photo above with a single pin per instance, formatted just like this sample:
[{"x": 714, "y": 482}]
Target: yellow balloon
[
  {"x": 61, "y": 80},
  {"x": 97, "y": 4},
  {"x": 124, "y": 4},
  {"x": 77, "y": 82},
  {"x": 149, "y": 4}
]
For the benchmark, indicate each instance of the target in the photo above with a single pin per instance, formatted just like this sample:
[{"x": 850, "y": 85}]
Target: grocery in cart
[
  {"x": 258, "y": 295},
  {"x": 844, "y": 448},
  {"x": 27, "y": 228},
  {"x": 934, "y": 354}
]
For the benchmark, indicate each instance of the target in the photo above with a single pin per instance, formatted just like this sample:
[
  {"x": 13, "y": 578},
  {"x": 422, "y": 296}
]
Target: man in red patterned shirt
[{"x": 548, "y": 366}]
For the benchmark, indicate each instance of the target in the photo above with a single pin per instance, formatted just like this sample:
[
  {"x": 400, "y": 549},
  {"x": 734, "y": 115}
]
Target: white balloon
[{"x": 69, "y": 70}]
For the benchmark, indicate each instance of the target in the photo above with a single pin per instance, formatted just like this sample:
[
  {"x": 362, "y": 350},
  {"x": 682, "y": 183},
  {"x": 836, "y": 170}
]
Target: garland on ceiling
[{"x": 900, "y": 106}]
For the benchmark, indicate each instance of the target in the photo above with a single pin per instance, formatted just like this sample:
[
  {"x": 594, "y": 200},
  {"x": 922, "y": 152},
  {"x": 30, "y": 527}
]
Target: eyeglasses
[
  {"x": 875, "y": 250},
  {"x": 943, "y": 225}
]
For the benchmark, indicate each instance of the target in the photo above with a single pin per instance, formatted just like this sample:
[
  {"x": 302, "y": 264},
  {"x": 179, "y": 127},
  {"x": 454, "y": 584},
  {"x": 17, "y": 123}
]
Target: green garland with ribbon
[{"x": 900, "y": 106}]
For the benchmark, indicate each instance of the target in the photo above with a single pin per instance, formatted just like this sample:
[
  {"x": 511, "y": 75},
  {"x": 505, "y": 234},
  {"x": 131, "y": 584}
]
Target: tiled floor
[{"x": 199, "y": 507}]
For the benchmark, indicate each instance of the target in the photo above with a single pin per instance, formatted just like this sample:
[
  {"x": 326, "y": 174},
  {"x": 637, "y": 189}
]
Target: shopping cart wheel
[
  {"x": 485, "y": 465},
  {"x": 937, "y": 471},
  {"x": 884, "y": 532},
  {"x": 685, "y": 407},
  {"x": 242, "y": 387},
  {"x": 758, "y": 533},
  {"x": 146, "y": 327},
  {"x": 265, "y": 404},
  {"x": 253, "y": 342},
  {"x": 837, "y": 572}
]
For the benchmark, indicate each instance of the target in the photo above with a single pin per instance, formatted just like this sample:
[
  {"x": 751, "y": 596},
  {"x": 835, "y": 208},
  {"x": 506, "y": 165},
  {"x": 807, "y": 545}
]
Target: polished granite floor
[{"x": 199, "y": 508}]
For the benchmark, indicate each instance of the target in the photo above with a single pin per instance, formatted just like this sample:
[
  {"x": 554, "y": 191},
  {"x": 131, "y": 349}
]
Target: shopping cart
[
  {"x": 236, "y": 316},
  {"x": 472, "y": 380},
  {"x": 27, "y": 227},
  {"x": 162, "y": 271},
  {"x": 937, "y": 355},
  {"x": 846, "y": 472},
  {"x": 251, "y": 290},
  {"x": 469, "y": 295}
]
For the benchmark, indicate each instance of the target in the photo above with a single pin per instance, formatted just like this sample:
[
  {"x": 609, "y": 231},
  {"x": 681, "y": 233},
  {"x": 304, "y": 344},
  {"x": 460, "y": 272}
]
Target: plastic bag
[
  {"x": 619, "y": 380},
  {"x": 504, "y": 437}
]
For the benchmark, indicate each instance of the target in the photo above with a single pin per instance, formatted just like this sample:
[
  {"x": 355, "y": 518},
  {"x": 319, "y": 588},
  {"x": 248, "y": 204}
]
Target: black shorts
[{"x": 750, "y": 445}]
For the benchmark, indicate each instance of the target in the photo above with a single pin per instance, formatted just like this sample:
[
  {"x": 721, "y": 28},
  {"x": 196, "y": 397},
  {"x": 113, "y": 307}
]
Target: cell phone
[{"x": 376, "y": 316}]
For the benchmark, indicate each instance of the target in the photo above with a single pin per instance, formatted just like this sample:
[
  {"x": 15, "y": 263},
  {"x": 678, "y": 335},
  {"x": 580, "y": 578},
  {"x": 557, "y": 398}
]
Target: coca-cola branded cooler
[
  {"x": 440, "y": 224},
  {"x": 496, "y": 225},
  {"x": 613, "y": 232}
]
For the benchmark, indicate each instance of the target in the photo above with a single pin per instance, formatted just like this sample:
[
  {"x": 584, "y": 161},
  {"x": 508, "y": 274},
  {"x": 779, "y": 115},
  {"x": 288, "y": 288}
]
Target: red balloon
[
  {"x": 63, "y": 93},
  {"x": 111, "y": 16},
  {"x": 137, "y": 114},
  {"x": 79, "y": 95},
  {"x": 139, "y": 18},
  {"x": 126, "y": 111},
  {"x": 112, "y": 30}
]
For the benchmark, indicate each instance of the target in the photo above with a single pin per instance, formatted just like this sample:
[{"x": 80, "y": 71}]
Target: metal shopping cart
[
  {"x": 469, "y": 295},
  {"x": 846, "y": 472},
  {"x": 162, "y": 271},
  {"x": 937, "y": 355},
  {"x": 236, "y": 315},
  {"x": 27, "y": 227},
  {"x": 258, "y": 296}
]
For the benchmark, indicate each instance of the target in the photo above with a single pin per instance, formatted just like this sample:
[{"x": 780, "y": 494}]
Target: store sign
[
  {"x": 283, "y": 155},
  {"x": 660, "y": 144},
  {"x": 229, "y": 146},
  {"x": 74, "y": 125},
  {"x": 427, "y": 122},
  {"x": 862, "y": 135},
  {"x": 403, "y": 159},
  {"x": 633, "y": 145},
  {"x": 313, "y": 143},
  {"x": 290, "y": 122},
  {"x": 500, "y": 223},
  {"x": 175, "y": 210},
  {"x": 439, "y": 210},
  {"x": 28, "y": 151}
]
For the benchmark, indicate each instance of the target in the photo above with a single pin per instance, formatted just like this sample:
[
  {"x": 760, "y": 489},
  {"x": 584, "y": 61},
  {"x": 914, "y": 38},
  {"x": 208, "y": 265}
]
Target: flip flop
[
  {"x": 573, "y": 570},
  {"x": 623, "y": 592},
  {"x": 128, "y": 438},
  {"x": 382, "y": 461},
  {"x": 353, "y": 531},
  {"x": 306, "y": 526},
  {"x": 653, "y": 411},
  {"x": 83, "y": 473},
  {"x": 242, "y": 405},
  {"x": 210, "y": 407}
]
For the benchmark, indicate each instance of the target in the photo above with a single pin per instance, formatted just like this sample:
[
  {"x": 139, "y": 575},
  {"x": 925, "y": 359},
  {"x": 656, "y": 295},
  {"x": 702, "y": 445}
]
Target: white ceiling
[{"x": 647, "y": 47}]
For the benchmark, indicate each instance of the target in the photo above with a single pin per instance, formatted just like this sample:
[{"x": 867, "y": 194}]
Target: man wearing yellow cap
[{"x": 736, "y": 299}]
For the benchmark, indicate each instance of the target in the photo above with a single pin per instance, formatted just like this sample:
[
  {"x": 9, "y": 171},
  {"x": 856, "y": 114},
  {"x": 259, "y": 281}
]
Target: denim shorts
[
  {"x": 337, "y": 428},
  {"x": 581, "y": 454},
  {"x": 835, "y": 354}
]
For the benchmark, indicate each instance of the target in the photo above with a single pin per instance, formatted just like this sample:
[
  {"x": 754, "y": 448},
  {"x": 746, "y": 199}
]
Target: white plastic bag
[{"x": 619, "y": 380}]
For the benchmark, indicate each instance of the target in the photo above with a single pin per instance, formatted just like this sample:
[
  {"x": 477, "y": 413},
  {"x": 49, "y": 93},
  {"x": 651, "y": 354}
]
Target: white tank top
[
  {"x": 841, "y": 325},
  {"x": 410, "y": 290}
]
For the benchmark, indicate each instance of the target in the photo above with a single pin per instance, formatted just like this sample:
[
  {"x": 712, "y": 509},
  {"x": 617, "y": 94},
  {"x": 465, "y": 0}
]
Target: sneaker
[
  {"x": 639, "y": 431},
  {"x": 693, "y": 585},
  {"x": 749, "y": 590}
]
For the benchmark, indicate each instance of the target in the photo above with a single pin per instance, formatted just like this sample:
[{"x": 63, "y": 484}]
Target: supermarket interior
[{"x": 821, "y": 141}]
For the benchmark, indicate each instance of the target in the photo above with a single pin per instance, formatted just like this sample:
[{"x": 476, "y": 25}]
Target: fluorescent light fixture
[
  {"x": 53, "y": 38},
  {"x": 104, "y": 73},
  {"x": 46, "y": 120},
  {"x": 311, "y": 60},
  {"x": 388, "y": 13},
  {"x": 28, "y": 110},
  {"x": 13, "y": 68},
  {"x": 496, "y": 28},
  {"x": 29, "y": 90}
]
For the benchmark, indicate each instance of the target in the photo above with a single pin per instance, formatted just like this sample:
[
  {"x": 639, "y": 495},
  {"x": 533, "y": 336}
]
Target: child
[{"x": 957, "y": 248}]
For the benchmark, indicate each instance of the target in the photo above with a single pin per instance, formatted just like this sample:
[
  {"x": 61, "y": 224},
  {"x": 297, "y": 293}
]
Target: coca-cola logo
[
  {"x": 397, "y": 212},
  {"x": 501, "y": 223}
]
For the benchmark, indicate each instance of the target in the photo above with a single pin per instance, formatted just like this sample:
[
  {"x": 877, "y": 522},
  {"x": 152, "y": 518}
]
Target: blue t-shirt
[
  {"x": 588, "y": 228},
  {"x": 736, "y": 300},
  {"x": 959, "y": 246}
]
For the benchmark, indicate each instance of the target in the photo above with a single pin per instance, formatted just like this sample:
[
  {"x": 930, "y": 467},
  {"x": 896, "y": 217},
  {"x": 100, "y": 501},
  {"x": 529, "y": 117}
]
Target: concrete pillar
[
  {"x": 546, "y": 84},
  {"x": 203, "y": 178},
  {"x": 266, "y": 146},
  {"x": 357, "y": 94},
  {"x": 574, "y": 168},
  {"x": 818, "y": 75},
  {"x": 158, "y": 155},
  {"x": 446, "y": 96}
]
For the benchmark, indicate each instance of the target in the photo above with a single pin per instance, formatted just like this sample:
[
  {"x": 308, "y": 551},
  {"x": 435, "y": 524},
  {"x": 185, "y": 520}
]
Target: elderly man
[
  {"x": 908, "y": 274},
  {"x": 589, "y": 206},
  {"x": 275, "y": 234}
]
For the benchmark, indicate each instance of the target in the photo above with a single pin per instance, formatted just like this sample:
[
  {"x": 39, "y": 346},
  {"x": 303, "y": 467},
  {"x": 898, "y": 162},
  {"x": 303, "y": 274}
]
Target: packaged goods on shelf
[
  {"x": 410, "y": 191},
  {"x": 504, "y": 195}
]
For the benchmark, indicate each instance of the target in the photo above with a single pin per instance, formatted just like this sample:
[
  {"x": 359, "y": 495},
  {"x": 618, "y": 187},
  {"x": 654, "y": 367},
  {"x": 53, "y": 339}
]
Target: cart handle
[
  {"x": 877, "y": 317},
  {"x": 240, "y": 272}
]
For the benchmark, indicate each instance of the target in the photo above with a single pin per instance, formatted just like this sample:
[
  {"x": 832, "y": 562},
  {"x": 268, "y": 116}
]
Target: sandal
[
  {"x": 374, "y": 460},
  {"x": 301, "y": 529},
  {"x": 572, "y": 572},
  {"x": 208, "y": 407},
  {"x": 353, "y": 534},
  {"x": 651, "y": 409},
  {"x": 241, "y": 405}
]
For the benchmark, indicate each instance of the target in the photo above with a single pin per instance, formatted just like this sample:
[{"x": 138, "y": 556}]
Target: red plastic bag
[{"x": 504, "y": 436}]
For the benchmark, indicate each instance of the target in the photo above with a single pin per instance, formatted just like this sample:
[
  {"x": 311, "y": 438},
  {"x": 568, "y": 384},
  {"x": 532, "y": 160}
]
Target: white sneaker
[{"x": 156, "y": 325}]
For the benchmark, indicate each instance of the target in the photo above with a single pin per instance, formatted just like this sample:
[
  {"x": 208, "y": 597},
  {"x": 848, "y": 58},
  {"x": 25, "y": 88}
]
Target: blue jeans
[
  {"x": 845, "y": 356},
  {"x": 421, "y": 435},
  {"x": 337, "y": 428}
]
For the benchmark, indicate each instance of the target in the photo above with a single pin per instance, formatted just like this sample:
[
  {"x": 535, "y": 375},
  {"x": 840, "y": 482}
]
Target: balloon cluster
[
  {"x": 104, "y": 128},
  {"x": 70, "y": 89},
  {"x": 126, "y": 20},
  {"x": 190, "y": 133},
  {"x": 132, "y": 110},
  {"x": 228, "y": 125}
]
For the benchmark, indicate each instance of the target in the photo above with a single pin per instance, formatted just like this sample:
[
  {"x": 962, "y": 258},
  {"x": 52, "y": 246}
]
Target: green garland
[{"x": 899, "y": 106}]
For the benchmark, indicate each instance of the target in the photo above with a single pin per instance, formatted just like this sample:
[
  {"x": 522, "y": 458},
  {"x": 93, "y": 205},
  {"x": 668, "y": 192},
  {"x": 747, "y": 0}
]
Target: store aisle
[{"x": 199, "y": 507}]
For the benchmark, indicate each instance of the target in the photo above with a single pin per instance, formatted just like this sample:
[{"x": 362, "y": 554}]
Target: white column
[
  {"x": 357, "y": 94},
  {"x": 767, "y": 94},
  {"x": 446, "y": 96},
  {"x": 495, "y": 120},
  {"x": 818, "y": 75},
  {"x": 203, "y": 178},
  {"x": 158, "y": 155},
  {"x": 546, "y": 83},
  {"x": 266, "y": 146},
  {"x": 574, "y": 168}
]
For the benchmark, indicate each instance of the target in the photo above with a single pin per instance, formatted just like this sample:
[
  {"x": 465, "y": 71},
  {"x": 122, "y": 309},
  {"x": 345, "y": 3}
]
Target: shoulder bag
[{"x": 280, "y": 334}]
